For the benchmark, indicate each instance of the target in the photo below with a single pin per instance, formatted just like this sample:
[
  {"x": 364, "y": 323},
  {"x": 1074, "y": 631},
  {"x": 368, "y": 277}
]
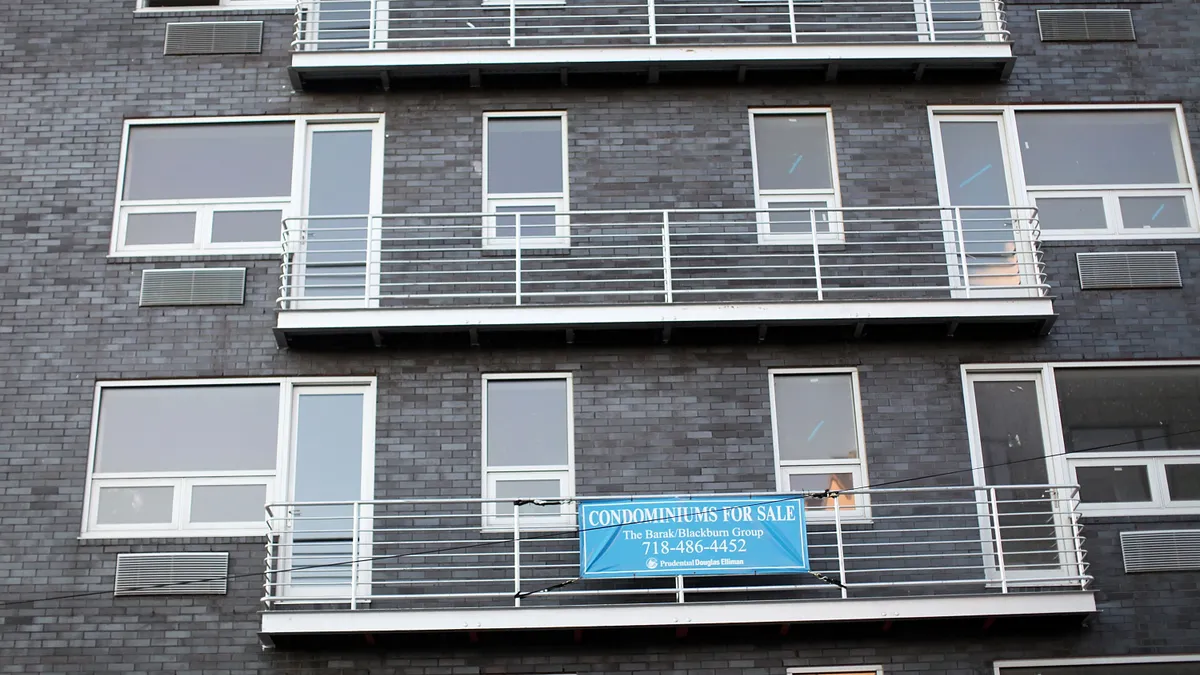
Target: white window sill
[
  {"x": 1083, "y": 237},
  {"x": 1136, "y": 509},
  {"x": 255, "y": 533},
  {"x": 525, "y": 3},
  {"x": 272, "y": 252}
]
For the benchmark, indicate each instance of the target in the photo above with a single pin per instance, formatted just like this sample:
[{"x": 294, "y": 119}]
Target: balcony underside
[
  {"x": 1034, "y": 314},
  {"x": 389, "y": 68},
  {"x": 1065, "y": 603}
]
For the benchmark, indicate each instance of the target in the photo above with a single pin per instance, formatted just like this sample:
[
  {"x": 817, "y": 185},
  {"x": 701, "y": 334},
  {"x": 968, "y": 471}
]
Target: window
[
  {"x": 216, "y": 4},
  {"x": 1127, "y": 434},
  {"x": 1181, "y": 664},
  {"x": 528, "y": 449},
  {"x": 1090, "y": 171},
  {"x": 817, "y": 422},
  {"x": 1132, "y": 434},
  {"x": 525, "y": 180},
  {"x": 202, "y": 458},
  {"x": 795, "y": 174},
  {"x": 220, "y": 186}
]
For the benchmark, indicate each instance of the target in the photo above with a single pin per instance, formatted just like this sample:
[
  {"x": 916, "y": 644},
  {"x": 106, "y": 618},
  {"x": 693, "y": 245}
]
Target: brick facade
[{"x": 649, "y": 418}]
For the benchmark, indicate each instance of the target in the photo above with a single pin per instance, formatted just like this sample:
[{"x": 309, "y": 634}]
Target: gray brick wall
[{"x": 68, "y": 317}]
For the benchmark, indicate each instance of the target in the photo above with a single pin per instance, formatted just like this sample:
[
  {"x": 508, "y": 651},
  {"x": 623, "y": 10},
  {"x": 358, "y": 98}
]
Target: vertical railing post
[
  {"x": 927, "y": 9},
  {"x": 961, "y": 245},
  {"x": 841, "y": 550},
  {"x": 668, "y": 281},
  {"x": 516, "y": 554},
  {"x": 354, "y": 562},
  {"x": 679, "y": 589},
  {"x": 994, "y": 508},
  {"x": 269, "y": 562},
  {"x": 812, "y": 220},
  {"x": 1077, "y": 538},
  {"x": 791, "y": 5},
  {"x": 652, "y": 21},
  {"x": 512, "y": 23},
  {"x": 517, "y": 254}
]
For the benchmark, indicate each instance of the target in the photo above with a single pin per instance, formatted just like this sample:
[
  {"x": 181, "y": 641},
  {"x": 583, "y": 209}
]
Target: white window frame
[
  {"x": 832, "y": 197},
  {"x": 202, "y": 244},
  {"x": 857, "y": 468},
  {"x": 224, "y": 6},
  {"x": 565, "y": 474},
  {"x": 277, "y": 481},
  {"x": 1000, "y": 666},
  {"x": 559, "y": 201},
  {"x": 524, "y": 3},
  {"x": 1061, "y": 466},
  {"x": 830, "y": 670},
  {"x": 1026, "y": 196}
]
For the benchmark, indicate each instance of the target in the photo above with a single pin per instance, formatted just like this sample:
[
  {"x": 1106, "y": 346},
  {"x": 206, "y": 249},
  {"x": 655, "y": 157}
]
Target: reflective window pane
[
  {"x": 820, "y": 482},
  {"x": 528, "y": 489},
  {"x": 1099, "y": 484},
  {"x": 1100, "y": 148},
  {"x": 798, "y": 222},
  {"x": 533, "y": 224},
  {"x": 247, "y": 226},
  {"x": 1139, "y": 213},
  {"x": 149, "y": 229},
  {"x": 1129, "y": 409},
  {"x": 1071, "y": 213},
  {"x": 199, "y": 428},
  {"x": 228, "y": 503},
  {"x": 815, "y": 417},
  {"x": 339, "y": 185},
  {"x": 1183, "y": 482},
  {"x": 527, "y": 422},
  {"x": 134, "y": 505},
  {"x": 1190, "y": 668},
  {"x": 525, "y": 155},
  {"x": 792, "y": 152},
  {"x": 209, "y": 161}
]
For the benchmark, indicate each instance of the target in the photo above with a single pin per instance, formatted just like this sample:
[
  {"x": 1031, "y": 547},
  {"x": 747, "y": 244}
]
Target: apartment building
[{"x": 555, "y": 337}]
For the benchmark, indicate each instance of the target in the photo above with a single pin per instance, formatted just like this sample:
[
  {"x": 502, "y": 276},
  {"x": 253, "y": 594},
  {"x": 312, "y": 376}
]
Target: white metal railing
[
  {"x": 661, "y": 257},
  {"x": 327, "y": 25},
  {"x": 473, "y": 553}
]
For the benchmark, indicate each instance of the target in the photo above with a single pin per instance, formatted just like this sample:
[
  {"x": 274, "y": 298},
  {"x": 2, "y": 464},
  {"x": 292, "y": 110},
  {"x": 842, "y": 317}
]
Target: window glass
[
  {"x": 1100, "y": 147},
  {"x": 527, "y": 489},
  {"x": 1129, "y": 409},
  {"x": 228, "y": 503},
  {"x": 209, "y": 161},
  {"x": 192, "y": 428},
  {"x": 815, "y": 417},
  {"x": 1154, "y": 212},
  {"x": 820, "y": 482},
  {"x": 149, "y": 229},
  {"x": 135, "y": 505},
  {"x": 246, "y": 226},
  {"x": 1071, "y": 213},
  {"x": 1183, "y": 482},
  {"x": 536, "y": 221},
  {"x": 792, "y": 152},
  {"x": 525, "y": 155},
  {"x": 1108, "y": 669},
  {"x": 798, "y": 222},
  {"x": 527, "y": 422},
  {"x": 1113, "y": 483}
]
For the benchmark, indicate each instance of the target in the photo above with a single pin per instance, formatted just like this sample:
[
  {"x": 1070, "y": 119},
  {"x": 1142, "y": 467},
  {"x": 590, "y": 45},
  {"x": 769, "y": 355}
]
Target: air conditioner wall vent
[
  {"x": 213, "y": 37},
  {"x": 1128, "y": 269},
  {"x": 172, "y": 573}
]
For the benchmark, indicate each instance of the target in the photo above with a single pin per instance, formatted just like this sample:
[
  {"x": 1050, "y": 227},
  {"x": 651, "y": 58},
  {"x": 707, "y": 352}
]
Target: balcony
[
  {"x": 391, "y": 41},
  {"x": 422, "y": 566},
  {"x": 464, "y": 273}
]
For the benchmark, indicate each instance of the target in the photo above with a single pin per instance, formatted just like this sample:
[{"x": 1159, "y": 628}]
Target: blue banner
[{"x": 621, "y": 538}]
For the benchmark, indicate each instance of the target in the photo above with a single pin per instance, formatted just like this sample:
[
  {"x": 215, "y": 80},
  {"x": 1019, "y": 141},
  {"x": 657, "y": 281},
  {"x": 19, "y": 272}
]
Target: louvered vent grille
[
  {"x": 1161, "y": 551},
  {"x": 1086, "y": 25},
  {"x": 1150, "y": 269},
  {"x": 204, "y": 286},
  {"x": 171, "y": 573},
  {"x": 213, "y": 37}
]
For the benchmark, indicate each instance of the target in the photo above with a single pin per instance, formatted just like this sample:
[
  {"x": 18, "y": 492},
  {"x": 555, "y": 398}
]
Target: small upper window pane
[
  {"x": 194, "y": 428},
  {"x": 525, "y": 155},
  {"x": 1071, "y": 213},
  {"x": 815, "y": 417},
  {"x": 1138, "y": 213},
  {"x": 1129, "y": 409},
  {"x": 1101, "y": 148},
  {"x": 1183, "y": 482},
  {"x": 1099, "y": 484},
  {"x": 527, "y": 423},
  {"x": 792, "y": 152},
  {"x": 209, "y": 161}
]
